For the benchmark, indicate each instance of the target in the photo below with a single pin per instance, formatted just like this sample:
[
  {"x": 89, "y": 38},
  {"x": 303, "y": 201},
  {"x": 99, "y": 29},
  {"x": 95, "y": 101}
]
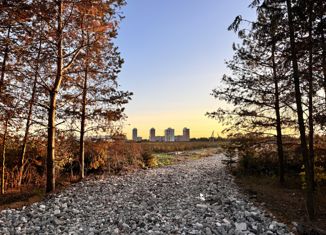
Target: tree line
[
  {"x": 58, "y": 75},
  {"x": 278, "y": 80}
]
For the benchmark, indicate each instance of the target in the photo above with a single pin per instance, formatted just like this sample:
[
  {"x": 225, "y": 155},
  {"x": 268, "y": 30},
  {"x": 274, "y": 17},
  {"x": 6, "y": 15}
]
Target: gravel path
[{"x": 196, "y": 197}]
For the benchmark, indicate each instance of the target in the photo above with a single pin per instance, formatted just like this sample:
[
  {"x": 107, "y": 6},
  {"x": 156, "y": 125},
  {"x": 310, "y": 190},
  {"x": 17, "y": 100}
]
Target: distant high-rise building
[
  {"x": 159, "y": 138},
  {"x": 186, "y": 134},
  {"x": 152, "y": 137},
  {"x": 169, "y": 135},
  {"x": 134, "y": 134}
]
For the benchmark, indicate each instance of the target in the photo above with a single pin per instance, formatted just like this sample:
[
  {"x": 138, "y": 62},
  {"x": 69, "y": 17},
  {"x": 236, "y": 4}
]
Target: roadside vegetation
[
  {"x": 101, "y": 158},
  {"x": 59, "y": 86},
  {"x": 276, "y": 95},
  {"x": 166, "y": 147},
  {"x": 254, "y": 163}
]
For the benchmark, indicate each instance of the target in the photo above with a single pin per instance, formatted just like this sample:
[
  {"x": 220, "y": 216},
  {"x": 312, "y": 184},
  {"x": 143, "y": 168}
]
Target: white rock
[
  {"x": 125, "y": 226},
  {"x": 57, "y": 212},
  {"x": 202, "y": 206},
  {"x": 226, "y": 221},
  {"x": 75, "y": 211},
  {"x": 199, "y": 225},
  {"x": 241, "y": 226}
]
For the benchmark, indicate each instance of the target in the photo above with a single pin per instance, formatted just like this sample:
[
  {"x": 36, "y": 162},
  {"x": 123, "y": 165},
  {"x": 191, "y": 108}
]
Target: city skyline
[
  {"x": 175, "y": 61},
  {"x": 169, "y": 135}
]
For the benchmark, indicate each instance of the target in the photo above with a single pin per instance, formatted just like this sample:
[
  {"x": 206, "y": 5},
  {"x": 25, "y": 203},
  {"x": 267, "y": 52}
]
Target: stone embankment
[{"x": 195, "y": 197}]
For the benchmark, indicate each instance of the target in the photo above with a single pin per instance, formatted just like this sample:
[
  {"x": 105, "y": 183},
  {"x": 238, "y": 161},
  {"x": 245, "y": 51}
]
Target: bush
[
  {"x": 149, "y": 159},
  {"x": 112, "y": 157},
  {"x": 258, "y": 156}
]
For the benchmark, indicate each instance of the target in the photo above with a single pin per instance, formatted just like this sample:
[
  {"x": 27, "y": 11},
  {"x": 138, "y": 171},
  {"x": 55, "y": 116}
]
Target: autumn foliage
[
  {"x": 58, "y": 85},
  {"x": 278, "y": 83}
]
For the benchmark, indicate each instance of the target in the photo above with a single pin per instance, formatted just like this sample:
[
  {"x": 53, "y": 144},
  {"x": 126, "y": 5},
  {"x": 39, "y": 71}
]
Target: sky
[{"x": 175, "y": 53}]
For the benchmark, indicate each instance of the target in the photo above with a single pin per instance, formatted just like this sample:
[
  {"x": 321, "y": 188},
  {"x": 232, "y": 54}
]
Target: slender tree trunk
[
  {"x": 310, "y": 97},
  {"x": 3, "y": 162},
  {"x": 82, "y": 127},
  {"x": 29, "y": 117},
  {"x": 304, "y": 150},
  {"x": 83, "y": 115},
  {"x": 4, "y": 61},
  {"x": 323, "y": 43},
  {"x": 50, "y": 183},
  {"x": 279, "y": 141},
  {"x": 2, "y": 78}
]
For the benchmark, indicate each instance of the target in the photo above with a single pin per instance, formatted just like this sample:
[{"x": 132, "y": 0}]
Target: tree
[
  {"x": 50, "y": 49},
  {"x": 254, "y": 90},
  {"x": 35, "y": 50},
  {"x": 95, "y": 79},
  {"x": 285, "y": 46},
  {"x": 63, "y": 39},
  {"x": 65, "y": 34},
  {"x": 301, "y": 123},
  {"x": 13, "y": 17}
]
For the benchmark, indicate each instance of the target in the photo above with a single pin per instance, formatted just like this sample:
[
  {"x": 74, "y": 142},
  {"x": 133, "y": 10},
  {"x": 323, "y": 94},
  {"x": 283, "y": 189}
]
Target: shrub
[
  {"x": 149, "y": 159},
  {"x": 258, "y": 156}
]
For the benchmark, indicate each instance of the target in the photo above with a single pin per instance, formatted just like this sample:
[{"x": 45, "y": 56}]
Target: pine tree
[{"x": 95, "y": 79}]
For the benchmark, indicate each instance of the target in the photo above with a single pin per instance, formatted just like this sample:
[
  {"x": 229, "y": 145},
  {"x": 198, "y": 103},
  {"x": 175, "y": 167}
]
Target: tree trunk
[
  {"x": 3, "y": 162},
  {"x": 304, "y": 150},
  {"x": 82, "y": 128},
  {"x": 310, "y": 97},
  {"x": 323, "y": 43},
  {"x": 50, "y": 183},
  {"x": 278, "y": 118},
  {"x": 83, "y": 116},
  {"x": 4, "y": 62},
  {"x": 2, "y": 78},
  {"x": 29, "y": 117}
]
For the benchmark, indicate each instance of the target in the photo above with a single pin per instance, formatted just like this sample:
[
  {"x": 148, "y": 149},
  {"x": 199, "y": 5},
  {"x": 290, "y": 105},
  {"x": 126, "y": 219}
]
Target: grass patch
[
  {"x": 168, "y": 147},
  {"x": 164, "y": 159}
]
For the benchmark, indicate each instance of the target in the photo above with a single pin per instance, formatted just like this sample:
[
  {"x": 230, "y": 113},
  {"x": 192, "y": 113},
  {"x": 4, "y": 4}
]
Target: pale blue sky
[{"x": 174, "y": 53}]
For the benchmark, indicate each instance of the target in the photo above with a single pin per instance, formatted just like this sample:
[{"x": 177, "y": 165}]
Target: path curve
[{"x": 195, "y": 197}]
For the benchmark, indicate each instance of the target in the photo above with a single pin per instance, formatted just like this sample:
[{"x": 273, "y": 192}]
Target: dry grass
[
  {"x": 285, "y": 202},
  {"x": 164, "y": 147}
]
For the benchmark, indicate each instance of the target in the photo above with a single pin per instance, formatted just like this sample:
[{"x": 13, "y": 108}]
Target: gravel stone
[
  {"x": 57, "y": 212},
  {"x": 194, "y": 197},
  {"x": 241, "y": 226}
]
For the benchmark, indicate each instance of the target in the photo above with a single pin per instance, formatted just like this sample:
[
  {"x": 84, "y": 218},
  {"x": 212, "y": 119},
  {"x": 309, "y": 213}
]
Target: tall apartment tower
[
  {"x": 152, "y": 136},
  {"x": 169, "y": 135},
  {"x": 186, "y": 134},
  {"x": 134, "y": 134}
]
